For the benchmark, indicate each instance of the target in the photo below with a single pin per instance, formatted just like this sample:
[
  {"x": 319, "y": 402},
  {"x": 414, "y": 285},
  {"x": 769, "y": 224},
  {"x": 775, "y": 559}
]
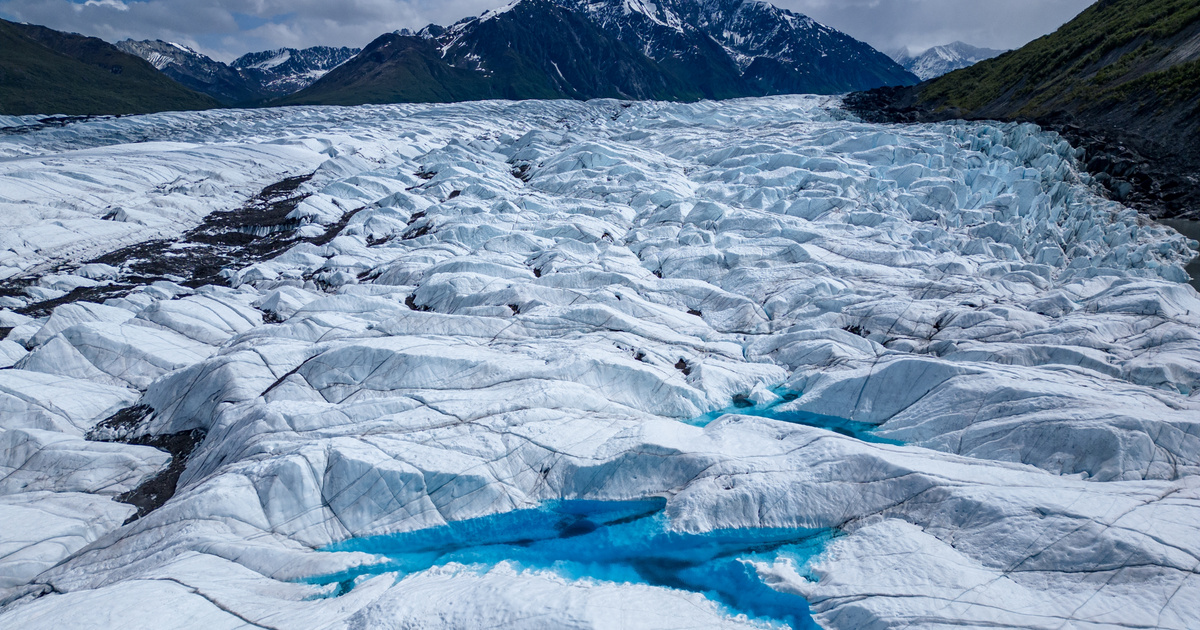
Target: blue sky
[{"x": 225, "y": 29}]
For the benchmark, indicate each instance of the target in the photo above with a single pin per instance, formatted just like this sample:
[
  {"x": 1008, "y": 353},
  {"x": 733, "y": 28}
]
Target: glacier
[{"x": 748, "y": 364}]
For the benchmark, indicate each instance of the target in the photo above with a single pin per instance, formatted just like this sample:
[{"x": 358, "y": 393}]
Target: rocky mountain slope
[
  {"x": 939, "y": 60},
  {"x": 197, "y": 71},
  {"x": 251, "y": 79},
  {"x": 1122, "y": 80},
  {"x": 774, "y": 51},
  {"x": 676, "y": 50},
  {"x": 289, "y": 70},
  {"x": 43, "y": 71}
]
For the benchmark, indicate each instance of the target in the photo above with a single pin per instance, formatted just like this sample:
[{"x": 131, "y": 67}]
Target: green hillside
[
  {"x": 47, "y": 72},
  {"x": 1121, "y": 81},
  {"x": 1132, "y": 63}
]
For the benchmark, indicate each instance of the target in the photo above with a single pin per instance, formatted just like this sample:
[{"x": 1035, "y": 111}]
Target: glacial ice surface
[{"x": 888, "y": 376}]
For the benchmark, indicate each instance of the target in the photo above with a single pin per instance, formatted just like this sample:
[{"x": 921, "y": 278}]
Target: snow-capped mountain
[
  {"x": 940, "y": 60},
  {"x": 251, "y": 79},
  {"x": 197, "y": 71},
  {"x": 673, "y": 50},
  {"x": 772, "y": 50},
  {"x": 289, "y": 70}
]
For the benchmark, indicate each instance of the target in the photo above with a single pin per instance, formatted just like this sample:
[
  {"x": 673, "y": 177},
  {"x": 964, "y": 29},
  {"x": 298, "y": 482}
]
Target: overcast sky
[{"x": 227, "y": 28}]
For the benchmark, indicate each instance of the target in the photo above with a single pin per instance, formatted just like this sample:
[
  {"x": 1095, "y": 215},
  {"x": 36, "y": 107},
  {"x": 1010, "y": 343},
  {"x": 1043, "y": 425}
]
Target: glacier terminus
[{"x": 604, "y": 364}]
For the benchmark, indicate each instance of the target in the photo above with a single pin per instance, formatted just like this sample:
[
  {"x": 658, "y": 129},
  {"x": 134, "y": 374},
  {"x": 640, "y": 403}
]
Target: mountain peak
[
  {"x": 939, "y": 60},
  {"x": 639, "y": 49},
  {"x": 252, "y": 78},
  {"x": 774, "y": 49}
]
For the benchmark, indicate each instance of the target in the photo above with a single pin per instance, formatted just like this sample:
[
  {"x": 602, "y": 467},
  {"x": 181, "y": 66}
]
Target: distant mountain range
[
  {"x": 941, "y": 60},
  {"x": 634, "y": 49},
  {"x": 43, "y": 71},
  {"x": 250, "y": 80},
  {"x": 580, "y": 49}
]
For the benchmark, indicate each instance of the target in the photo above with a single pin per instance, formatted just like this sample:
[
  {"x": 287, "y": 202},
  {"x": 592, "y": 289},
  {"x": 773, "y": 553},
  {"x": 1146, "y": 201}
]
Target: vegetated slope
[
  {"x": 1129, "y": 61},
  {"x": 43, "y": 71},
  {"x": 395, "y": 69},
  {"x": 674, "y": 50},
  {"x": 940, "y": 60},
  {"x": 1122, "y": 78}
]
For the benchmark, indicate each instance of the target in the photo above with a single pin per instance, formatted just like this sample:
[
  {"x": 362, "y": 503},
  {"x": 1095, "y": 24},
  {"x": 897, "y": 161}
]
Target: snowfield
[{"x": 747, "y": 364}]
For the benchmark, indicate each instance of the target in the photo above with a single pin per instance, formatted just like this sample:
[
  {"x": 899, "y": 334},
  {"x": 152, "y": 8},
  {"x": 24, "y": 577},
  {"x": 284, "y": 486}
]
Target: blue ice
[
  {"x": 618, "y": 541},
  {"x": 741, "y": 406}
]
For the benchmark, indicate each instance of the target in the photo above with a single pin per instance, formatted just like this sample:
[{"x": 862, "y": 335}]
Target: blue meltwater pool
[
  {"x": 618, "y": 541},
  {"x": 776, "y": 411}
]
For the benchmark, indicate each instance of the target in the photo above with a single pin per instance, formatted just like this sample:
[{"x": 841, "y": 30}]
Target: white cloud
[
  {"x": 112, "y": 4},
  {"x": 921, "y": 24}
]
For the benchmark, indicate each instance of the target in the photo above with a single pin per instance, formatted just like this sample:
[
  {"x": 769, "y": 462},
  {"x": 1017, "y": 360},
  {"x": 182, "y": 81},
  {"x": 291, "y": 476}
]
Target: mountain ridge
[
  {"x": 940, "y": 60},
  {"x": 195, "y": 70},
  {"x": 670, "y": 50},
  {"x": 252, "y": 79},
  {"x": 284, "y": 71},
  {"x": 759, "y": 37}
]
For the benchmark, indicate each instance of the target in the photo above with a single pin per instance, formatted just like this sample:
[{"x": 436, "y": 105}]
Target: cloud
[
  {"x": 921, "y": 24},
  {"x": 112, "y": 4},
  {"x": 227, "y": 28}
]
